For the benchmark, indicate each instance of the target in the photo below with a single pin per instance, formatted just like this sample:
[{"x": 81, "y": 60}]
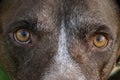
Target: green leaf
[{"x": 3, "y": 74}]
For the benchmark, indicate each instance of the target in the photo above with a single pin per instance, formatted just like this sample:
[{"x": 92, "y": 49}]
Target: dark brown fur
[{"x": 81, "y": 18}]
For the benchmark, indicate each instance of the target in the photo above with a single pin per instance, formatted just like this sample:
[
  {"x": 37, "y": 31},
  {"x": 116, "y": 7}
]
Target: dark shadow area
[
  {"x": 116, "y": 76},
  {"x": 118, "y": 3}
]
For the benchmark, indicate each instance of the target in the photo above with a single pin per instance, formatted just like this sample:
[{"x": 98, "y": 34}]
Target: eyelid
[
  {"x": 23, "y": 24},
  {"x": 29, "y": 42},
  {"x": 104, "y": 30}
]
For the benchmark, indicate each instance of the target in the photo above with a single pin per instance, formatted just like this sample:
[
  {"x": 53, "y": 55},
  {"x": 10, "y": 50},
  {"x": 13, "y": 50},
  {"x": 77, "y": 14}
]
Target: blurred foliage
[
  {"x": 115, "y": 74},
  {"x": 3, "y": 75}
]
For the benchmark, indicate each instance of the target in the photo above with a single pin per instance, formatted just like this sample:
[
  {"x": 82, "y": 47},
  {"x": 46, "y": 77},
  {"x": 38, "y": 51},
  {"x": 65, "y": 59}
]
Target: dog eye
[
  {"x": 22, "y": 36},
  {"x": 100, "y": 40}
]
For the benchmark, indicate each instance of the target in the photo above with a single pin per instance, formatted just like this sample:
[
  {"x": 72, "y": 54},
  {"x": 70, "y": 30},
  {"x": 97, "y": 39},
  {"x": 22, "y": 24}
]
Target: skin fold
[{"x": 60, "y": 46}]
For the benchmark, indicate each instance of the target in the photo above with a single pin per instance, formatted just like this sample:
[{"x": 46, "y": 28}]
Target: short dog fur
[{"x": 62, "y": 33}]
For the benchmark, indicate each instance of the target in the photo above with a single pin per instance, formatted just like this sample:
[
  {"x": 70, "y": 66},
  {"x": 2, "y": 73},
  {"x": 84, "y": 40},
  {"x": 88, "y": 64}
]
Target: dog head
[{"x": 59, "y": 39}]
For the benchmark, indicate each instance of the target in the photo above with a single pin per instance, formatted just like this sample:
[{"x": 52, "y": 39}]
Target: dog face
[{"x": 59, "y": 39}]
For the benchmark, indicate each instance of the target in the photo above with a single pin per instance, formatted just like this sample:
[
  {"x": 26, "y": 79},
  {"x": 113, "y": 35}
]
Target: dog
[{"x": 59, "y": 39}]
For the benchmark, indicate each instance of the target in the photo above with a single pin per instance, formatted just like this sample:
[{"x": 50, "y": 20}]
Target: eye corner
[
  {"x": 21, "y": 32},
  {"x": 99, "y": 41},
  {"x": 22, "y": 39}
]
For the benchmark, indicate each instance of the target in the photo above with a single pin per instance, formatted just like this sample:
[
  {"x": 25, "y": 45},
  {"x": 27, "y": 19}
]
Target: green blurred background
[{"x": 3, "y": 74}]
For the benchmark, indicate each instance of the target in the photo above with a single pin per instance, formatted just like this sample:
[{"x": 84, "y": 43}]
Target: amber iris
[
  {"x": 100, "y": 41},
  {"x": 22, "y": 35}
]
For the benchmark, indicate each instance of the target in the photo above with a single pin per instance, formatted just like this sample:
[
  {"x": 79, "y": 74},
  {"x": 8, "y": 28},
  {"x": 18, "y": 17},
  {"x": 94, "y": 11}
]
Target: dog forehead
[
  {"x": 18, "y": 6},
  {"x": 50, "y": 12},
  {"x": 24, "y": 7}
]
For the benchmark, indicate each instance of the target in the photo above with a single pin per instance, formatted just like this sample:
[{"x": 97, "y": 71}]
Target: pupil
[
  {"x": 23, "y": 33},
  {"x": 100, "y": 38}
]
